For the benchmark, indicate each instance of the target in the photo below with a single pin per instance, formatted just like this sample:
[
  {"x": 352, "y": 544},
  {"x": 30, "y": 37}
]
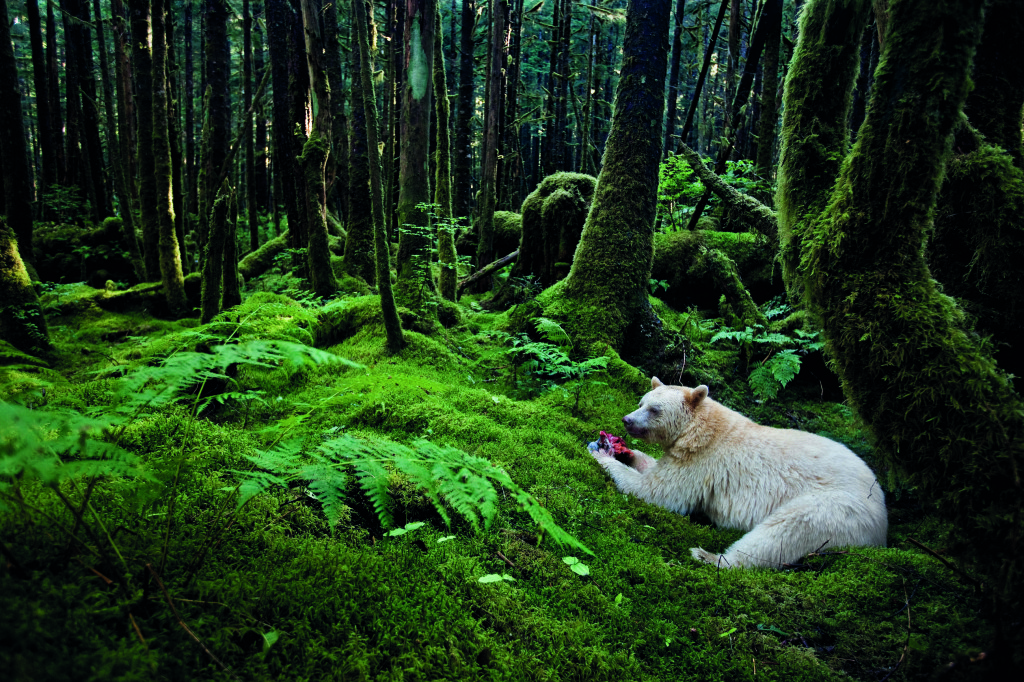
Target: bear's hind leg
[{"x": 790, "y": 532}]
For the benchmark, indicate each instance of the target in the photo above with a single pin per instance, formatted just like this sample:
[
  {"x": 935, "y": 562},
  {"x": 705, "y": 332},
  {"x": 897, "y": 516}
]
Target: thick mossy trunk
[
  {"x": 815, "y": 128},
  {"x": 170, "y": 255},
  {"x": 415, "y": 284},
  {"x": 604, "y": 298},
  {"x": 936, "y": 402},
  {"x": 389, "y": 311},
  {"x": 443, "y": 182},
  {"x": 21, "y": 320}
]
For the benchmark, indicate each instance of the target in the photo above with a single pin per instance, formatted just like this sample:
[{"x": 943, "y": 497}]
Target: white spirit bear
[{"x": 795, "y": 492}]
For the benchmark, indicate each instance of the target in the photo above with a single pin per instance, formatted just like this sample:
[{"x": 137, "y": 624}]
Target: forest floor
[{"x": 162, "y": 576}]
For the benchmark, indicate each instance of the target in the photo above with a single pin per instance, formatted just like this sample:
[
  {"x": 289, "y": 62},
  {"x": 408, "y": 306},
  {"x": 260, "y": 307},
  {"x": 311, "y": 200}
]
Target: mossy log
[
  {"x": 747, "y": 210},
  {"x": 678, "y": 262},
  {"x": 68, "y": 253},
  {"x": 259, "y": 261},
  {"x": 939, "y": 407},
  {"x": 21, "y": 320}
]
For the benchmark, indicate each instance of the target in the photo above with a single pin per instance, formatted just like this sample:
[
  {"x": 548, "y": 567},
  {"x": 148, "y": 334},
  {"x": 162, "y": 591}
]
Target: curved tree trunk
[
  {"x": 604, "y": 298},
  {"x": 935, "y": 401}
]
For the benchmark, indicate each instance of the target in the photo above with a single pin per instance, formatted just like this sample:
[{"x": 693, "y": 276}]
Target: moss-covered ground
[{"x": 274, "y": 592}]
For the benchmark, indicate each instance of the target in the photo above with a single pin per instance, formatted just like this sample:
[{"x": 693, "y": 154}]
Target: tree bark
[
  {"x": 463, "y": 153},
  {"x": 17, "y": 176},
  {"x": 22, "y": 323},
  {"x": 673, "y": 77},
  {"x": 170, "y": 255},
  {"x": 604, "y": 298},
  {"x": 705, "y": 66},
  {"x": 142, "y": 57},
  {"x": 359, "y": 258},
  {"x": 939, "y": 408},
  {"x": 443, "y": 183},
  {"x": 46, "y": 141},
  {"x": 389, "y": 311},
  {"x": 769, "y": 91},
  {"x": 414, "y": 278}
]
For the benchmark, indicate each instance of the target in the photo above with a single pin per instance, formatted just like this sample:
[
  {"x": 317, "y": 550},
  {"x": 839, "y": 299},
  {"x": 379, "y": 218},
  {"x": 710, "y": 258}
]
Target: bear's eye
[{"x": 654, "y": 410}]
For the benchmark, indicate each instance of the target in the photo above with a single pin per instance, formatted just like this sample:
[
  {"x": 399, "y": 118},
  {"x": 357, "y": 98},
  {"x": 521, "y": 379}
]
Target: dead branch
[{"x": 496, "y": 265}]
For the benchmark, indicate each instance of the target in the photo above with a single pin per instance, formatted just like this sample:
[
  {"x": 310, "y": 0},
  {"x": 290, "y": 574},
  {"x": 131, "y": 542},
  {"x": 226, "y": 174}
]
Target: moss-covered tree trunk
[
  {"x": 17, "y": 176},
  {"x": 232, "y": 295},
  {"x": 142, "y": 59},
  {"x": 213, "y": 258},
  {"x": 170, "y": 255},
  {"x": 359, "y": 260},
  {"x": 463, "y": 152},
  {"x": 414, "y": 280},
  {"x": 443, "y": 182},
  {"x": 489, "y": 172},
  {"x": 934, "y": 399},
  {"x": 389, "y": 311},
  {"x": 314, "y": 156},
  {"x": 604, "y": 298},
  {"x": 21, "y": 320}
]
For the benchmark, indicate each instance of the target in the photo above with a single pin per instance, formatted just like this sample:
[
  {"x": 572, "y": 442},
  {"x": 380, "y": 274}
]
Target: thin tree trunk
[
  {"x": 53, "y": 85},
  {"x": 695, "y": 99},
  {"x": 463, "y": 153},
  {"x": 443, "y": 184},
  {"x": 43, "y": 103},
  {"x": 314, "y": 155},
  {"x": 359, "y": 259},
  {"x": 170, "y": 255},
  {"x": 769, "y": 103},
  {"x": 142, "y": 57},
  {"x": 673, "y": 78},
  {"x": 263, "y": 199},
  {"x": 389, "y": 311},
  {"x": 247, "y": 140}
]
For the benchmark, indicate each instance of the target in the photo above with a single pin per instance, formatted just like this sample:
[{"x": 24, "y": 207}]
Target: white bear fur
[{"x": 795, "y": 492}]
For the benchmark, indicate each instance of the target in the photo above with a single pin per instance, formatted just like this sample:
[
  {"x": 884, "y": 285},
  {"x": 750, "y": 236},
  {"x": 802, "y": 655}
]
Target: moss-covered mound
[
  {"x": 507, "y": 231},
  {"x": 677, "y": 262}
]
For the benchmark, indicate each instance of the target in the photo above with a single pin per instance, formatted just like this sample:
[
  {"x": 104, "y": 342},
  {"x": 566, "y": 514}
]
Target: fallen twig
[
  {"x": 505, "y": 559},
  {"x": 174, "y": 609},
  {"x": 486, "y": 270},
  {"x": 945, "y": 562},
  {"x": 906, "y": 644}
]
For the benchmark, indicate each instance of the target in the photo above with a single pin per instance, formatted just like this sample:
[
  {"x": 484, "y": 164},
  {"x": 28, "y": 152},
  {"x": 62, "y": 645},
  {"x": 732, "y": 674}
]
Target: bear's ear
[
  {"x": 697, "y": 395},
  {"x": 656, "y": 383}
]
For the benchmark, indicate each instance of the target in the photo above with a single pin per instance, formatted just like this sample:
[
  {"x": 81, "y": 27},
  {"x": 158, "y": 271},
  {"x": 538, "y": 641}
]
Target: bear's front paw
[
  {"x": 701, "y": 554},
  {"x": 598, "y": 452}
]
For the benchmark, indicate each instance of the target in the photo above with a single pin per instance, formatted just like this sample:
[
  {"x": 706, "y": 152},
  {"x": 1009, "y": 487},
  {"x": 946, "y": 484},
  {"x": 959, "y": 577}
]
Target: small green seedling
[
  {"x": 409, "y": 527},
  {"x": 496, "y": 578},
  {"x": 446, "y": 538},
  {"x": 577, "y": 566}
]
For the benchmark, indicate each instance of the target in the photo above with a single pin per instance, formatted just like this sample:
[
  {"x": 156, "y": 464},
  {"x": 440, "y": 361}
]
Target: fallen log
[{"x": 486, "y": 270}]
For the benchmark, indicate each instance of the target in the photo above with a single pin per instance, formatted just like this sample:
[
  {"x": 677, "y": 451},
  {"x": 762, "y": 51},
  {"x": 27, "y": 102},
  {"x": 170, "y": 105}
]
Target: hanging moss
[
  {"x": 21, "y": 320},
  {"x": 940, "y": 409}
]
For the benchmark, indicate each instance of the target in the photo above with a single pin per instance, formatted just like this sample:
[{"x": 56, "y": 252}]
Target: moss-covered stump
[
  {"x": 21, "y": 320},
  {"x": 553, "y": 218},
  {"x": 976, "y": 248},
  {"x": 507, "y": 232},
  {"x": 677, "y": 261},
  {"x": 69, "y": 253}
]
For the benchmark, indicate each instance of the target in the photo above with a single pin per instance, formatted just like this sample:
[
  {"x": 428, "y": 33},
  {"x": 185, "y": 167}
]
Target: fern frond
[{"x": 552, "y": 331}]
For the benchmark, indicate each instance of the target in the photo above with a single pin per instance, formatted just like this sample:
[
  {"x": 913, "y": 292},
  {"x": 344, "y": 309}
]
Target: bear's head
[{"x": 665, "y": 412}]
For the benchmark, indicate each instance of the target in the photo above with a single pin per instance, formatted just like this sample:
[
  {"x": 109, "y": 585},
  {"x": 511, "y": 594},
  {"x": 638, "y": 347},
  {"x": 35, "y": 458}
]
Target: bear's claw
[{"x": 701, "y": 554}]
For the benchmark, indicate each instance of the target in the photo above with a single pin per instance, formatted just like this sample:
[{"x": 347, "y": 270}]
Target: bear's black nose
[{"x": 627, "y": 420}]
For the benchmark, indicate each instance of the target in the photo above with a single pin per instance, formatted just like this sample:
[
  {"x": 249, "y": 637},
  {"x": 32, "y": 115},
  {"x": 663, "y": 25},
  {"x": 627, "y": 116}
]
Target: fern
[
  {"x": 774, "y": 374},
  {"x": 449, "y": 477},
  {"x": 552, "y": 331}
]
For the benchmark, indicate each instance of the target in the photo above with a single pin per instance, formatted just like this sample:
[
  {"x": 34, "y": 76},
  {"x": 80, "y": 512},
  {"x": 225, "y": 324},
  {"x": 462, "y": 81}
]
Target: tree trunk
[
  {"x": 389, "y": 311},
  {"x": 314, "y": 155},
  {"x": 22, "y": 323},
  {"x": 91, "y": 119},
  {"x": 215, "y": 148},
  {"x": 769, "y": 104},
  {"x": 191, "y": 175},
  {"x": 705, "y": 65},
  {"x": 463, "y": 161},
  {"x": 232, "y": 286},
  {"x": 936, "y": 403},
  {"x": 53, "y": 84},
  {"x": 414, "y": 242},
  {"x": 263, "y": 199},
  {"x": 43, "y": 104},
  {"x": 359, "y": 259},
  {"x": 252, "y": 217},
  {"x": 170, "y": 255},
  {"x": 673, "y": 78},
  {"x": 485, "y": 225},
  {"x": 338, "y": 162},
  {"x": 17, "y": 176},
  {"x": 604, "y": 298},
  {"x": 142, "y": 57},
  {"x": 443, "y": 183}
]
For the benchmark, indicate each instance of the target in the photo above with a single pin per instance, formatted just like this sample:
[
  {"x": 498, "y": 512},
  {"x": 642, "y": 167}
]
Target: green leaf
[
  {"x": 580, "y": 569},
  {"x": 269, "y": 639},
  {"x": 446, "y": 538},
  {"x": 490, "y": 578},
  {"x": 727, "y": 632},
  {"x": 570, "y": 560},
  {"x": 618, "y": 599}
]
